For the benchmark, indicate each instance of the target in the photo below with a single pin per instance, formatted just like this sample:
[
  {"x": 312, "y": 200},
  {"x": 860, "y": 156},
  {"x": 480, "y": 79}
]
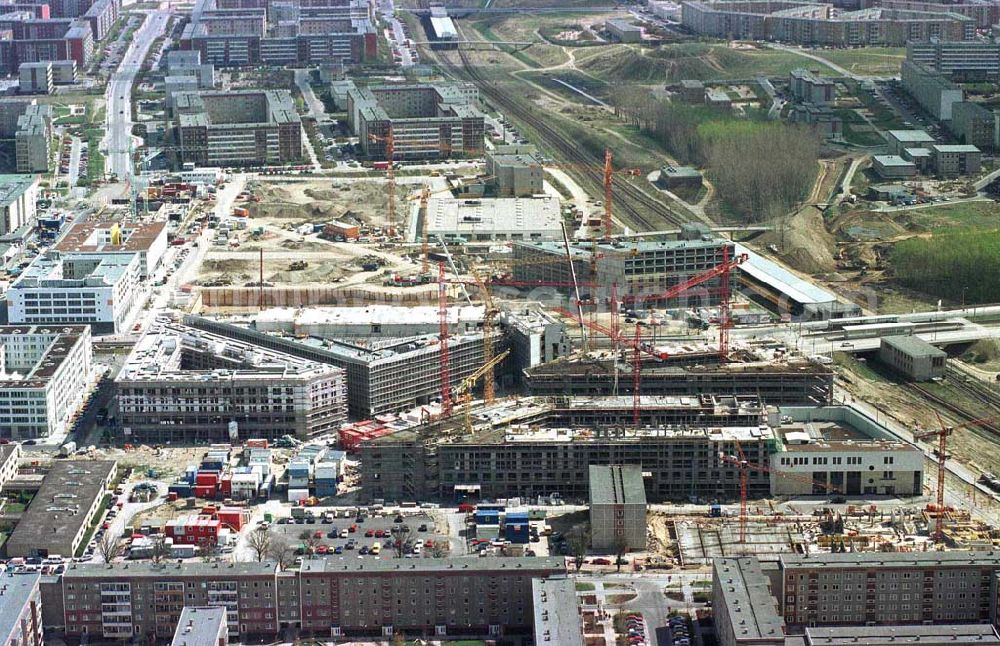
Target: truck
[
  {"x": 67, "y": 449},
  {"x": 241, "y": 212}
]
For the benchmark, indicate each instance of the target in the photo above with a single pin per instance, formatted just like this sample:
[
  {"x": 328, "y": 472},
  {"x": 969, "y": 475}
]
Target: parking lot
[{"x": 367, "y": 535}]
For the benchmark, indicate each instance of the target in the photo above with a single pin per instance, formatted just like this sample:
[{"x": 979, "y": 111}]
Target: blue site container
[
  {"x": 487, "y": 517},
  {"x": 516, "y": 532},
  {"x": 517, "y": 517}
]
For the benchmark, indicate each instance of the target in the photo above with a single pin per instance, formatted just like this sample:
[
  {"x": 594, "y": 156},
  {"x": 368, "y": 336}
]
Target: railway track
[
  {"x": 992, "y": 429},
  {"x": 633, "y": 206},
  {"x": 974, "y": 387}
]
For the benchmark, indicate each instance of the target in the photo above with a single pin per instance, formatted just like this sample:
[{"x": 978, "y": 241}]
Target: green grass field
[
  {"x": 672, "y": 63},
  {"x": 966, "y": 215},
  {"x": 874, "y": 61}
]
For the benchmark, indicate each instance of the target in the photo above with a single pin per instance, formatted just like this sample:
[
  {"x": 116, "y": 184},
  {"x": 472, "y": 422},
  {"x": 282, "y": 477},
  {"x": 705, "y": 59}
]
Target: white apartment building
[
  {"x": 148, "y": 239},
  {"x": 43, "y": 372},
  {"x": 18, "y": 195},
  {"x": 101, "y": 290},
  {"x": 838, "y": 449}
]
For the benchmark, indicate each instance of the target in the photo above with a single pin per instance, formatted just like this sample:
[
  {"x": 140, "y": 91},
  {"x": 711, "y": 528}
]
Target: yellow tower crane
[
  {"x": 464, "y": 390},
  {"x": 489, "y": 315}
]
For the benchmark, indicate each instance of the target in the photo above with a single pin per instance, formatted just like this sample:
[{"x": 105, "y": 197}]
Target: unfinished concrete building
[
  {"x": 542, "y": 446},
  {"x": 388, "y": 375},
  {"x": 637, "y": 268},
  {"x": 183, "y": 384},
  {"x": 795, "y": 381},
  {"x": 537, "y": 447}
]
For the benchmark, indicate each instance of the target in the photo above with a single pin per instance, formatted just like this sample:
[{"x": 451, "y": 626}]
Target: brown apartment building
[
  {"x": 119, "y": 601},
  {"x": 325, "y": 597}
]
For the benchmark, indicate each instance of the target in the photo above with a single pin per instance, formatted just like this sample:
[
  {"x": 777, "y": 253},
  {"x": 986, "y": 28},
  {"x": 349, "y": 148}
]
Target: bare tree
[
  {"x": 578, "y": 540},
  {"x": 621, "y": 549},
  {"x": 309, "y": 541},
  {"x": 259, "y": 540},
  {"x": 400, "y": 534},
  {"x": 281, "y": 551},
  {"x": 440, "y": 549},
  {"x": 109, "y": 547},
  {"x": 159, "y": 549}
]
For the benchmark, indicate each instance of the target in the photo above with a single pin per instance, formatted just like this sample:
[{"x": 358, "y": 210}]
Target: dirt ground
[
  {"x": 976, "y": 449},
  {"x": 802, "y": 241},
  {"x": 317, "y": 201},
  {"x": 272, "y": 227}
]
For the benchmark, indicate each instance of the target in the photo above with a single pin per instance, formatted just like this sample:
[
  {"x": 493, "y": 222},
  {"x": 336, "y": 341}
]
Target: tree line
[
  {"x": 953, "y": 266},
  {"x": 759, "y": 168}
]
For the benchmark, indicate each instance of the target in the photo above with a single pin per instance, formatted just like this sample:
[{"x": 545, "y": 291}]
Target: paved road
[
  {"x": 74, "y": 161},
  {"x": 118, "y": 137},
  {"x": 314, "y": 109},
  {"x": 313, "y": 104},
  {"x": 396, "y": 34},
  {"x": 128, "y": 511},
  {"x": 819, "y": 59}
]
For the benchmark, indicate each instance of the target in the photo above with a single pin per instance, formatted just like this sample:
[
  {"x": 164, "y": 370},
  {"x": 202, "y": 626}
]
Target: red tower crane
[
  {"x": 740, "y": 461},
  {"x": 942, "y": 435},
  {"x": 722, "y": 271},
  {"x": 636, "y": 344},
  {"x": 608, "y": 185}
]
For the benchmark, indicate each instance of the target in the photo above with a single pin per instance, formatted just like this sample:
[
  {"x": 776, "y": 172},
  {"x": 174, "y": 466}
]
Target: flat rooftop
[
  {"x": 616, "y": 485},
  {"x": 892, "y": 161},
  {"x": 6, "y": 450},
  {"x": 746, "y": 596},
  {"x": 681, "y": 172},
  {"x": 159, "y": 355},
  {"x": 167, "y": 571},
  {"x": 623, "y": 24},
  {"x": 68, "y": 270},
  {"x": 13, "y": 186},
  {"x": 50, "y": 345},
  {"x": 539, "y": 215},
  {"x": 456, "y": 565},
  {"x": 873, "y": 560},
  {"x": 913, "y": 346},
  {"x": 249, "y": 108},
  {"x": 954, "y": 148},
  {"x": 834, "y": 437},
  {"x": 101, "y": 237},
  {"x": 60, "y": 507},
  {"x": 18, "y": 589},
  {"x": 621, "y": 249},
  {"x": 545, "y": 420},
  {"x": 387, "y": 350},
  {"x": 199, "y": 626},
  {"x": 911, "y": 136},
  {"x": 587, "y": 366},
  {"x": 556, "y": 611},
  {"x": 367, "y": 315},
  {"x": 984, "y": 634}
]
